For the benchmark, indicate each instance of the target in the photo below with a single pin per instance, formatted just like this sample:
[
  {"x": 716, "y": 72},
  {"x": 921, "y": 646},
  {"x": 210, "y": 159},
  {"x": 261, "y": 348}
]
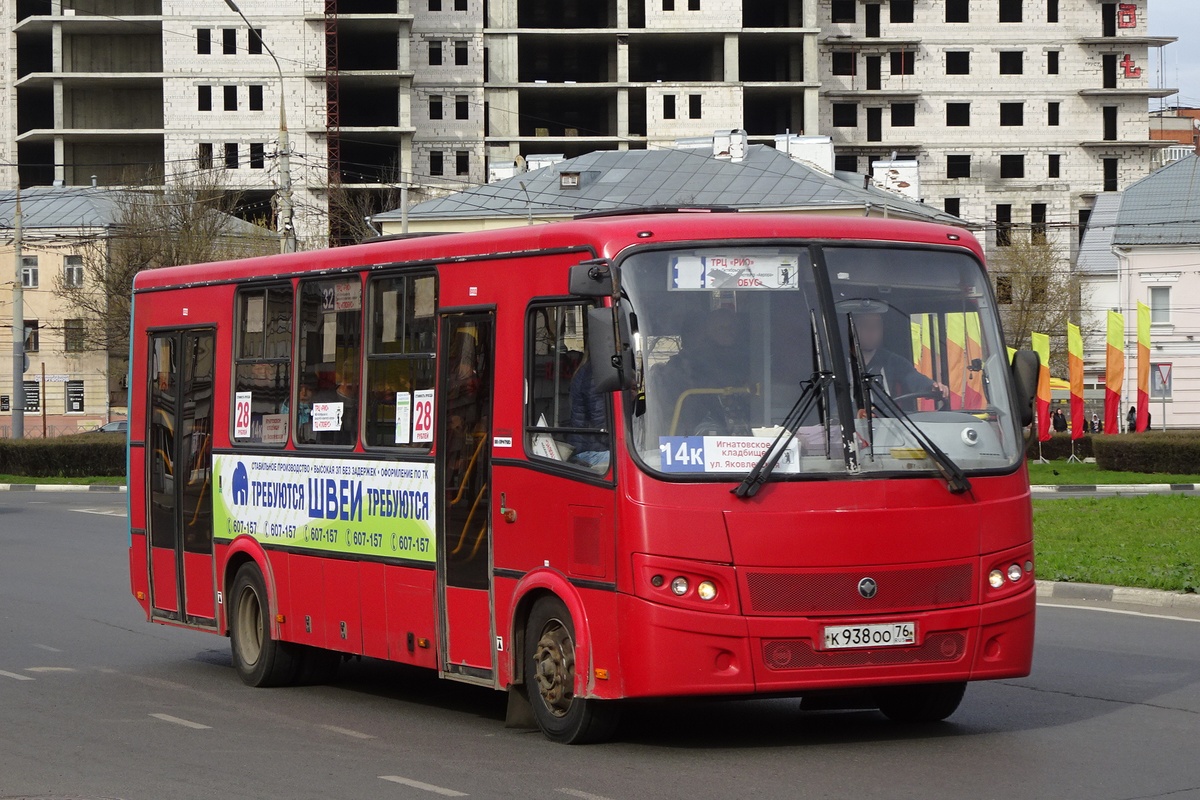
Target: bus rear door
[
  {"x": 464, "y": 536},
  {"x": 179, "y": 452}
]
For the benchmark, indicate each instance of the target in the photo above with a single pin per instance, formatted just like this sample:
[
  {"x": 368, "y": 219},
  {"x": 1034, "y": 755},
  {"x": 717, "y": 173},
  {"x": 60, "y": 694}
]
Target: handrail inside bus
[
  {"x": 462, "y": 486},
  {"x": 728, "y": 391}
]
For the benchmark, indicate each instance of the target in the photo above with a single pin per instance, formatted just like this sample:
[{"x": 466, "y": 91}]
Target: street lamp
[{"x": 287, "y": 236}]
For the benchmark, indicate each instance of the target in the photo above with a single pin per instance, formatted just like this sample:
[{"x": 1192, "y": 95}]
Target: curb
[
  {"x": 1115, "y": 488},
  {"x": 1062, "y": 590},
  {"x": 62, "y": 487}
]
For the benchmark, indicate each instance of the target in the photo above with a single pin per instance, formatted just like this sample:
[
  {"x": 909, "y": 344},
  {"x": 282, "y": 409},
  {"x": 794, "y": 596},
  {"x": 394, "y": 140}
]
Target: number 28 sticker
[
  {"x": 422, "y": 415},
  {"x": 241, "y": 415}
]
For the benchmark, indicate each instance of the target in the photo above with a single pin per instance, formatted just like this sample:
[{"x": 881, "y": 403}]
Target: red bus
[{"x": 636, "y": 456}]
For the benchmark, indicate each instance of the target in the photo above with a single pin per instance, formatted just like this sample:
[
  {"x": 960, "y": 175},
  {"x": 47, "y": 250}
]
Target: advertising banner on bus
[{"x": 384, "y": 509}]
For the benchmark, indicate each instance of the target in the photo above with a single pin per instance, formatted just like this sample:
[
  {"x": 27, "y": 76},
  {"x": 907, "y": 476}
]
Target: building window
[
  {"x": 435, "y": 5},
  {"x": 1004, "y": 290},
  {"x": 74, "y": 339},
  {"x": 461, "y": 109},
  {"x": 460, "y": 53},
  {"x": 958, "y": 62},
  {"x": 435, "y": 106},
  {"x": 29, "y": 272},
  {"x": 1052, "y": 62},
  {"x": 1085, "y": 216},
  {"x": 231, "y": 98},
  {"x": 843, "y": 163},
  {"x": 1052, "y": 110},
  {"x": 952, "y": 206},
  {"x": 462, "y": 162},
  {"x": 73, "y": 271},
  {"x": 1108, "y": 70},
  {"x": 1012, "y": 62},
  {"x": 33, "y": 339},
  {"x": 958, "y": 115},
  {"x": 693, "y": 5},
  {"x": 1051, "y": 11},
  {"x": 1160, "y": 305},
  {"x": 958, "y": 166},
  {"x": 904, "y": 115},
  {"x": 74, "y": 397},
  {"x": 256, "y": 97},
  {"x": 694, "y": 106},
  {"x": 843, "y": 11},
  {"x": 1037, "y": 223},
  {"x": 1054, "y": 166},
  {"x": 231, "y": 155},
  {"x": 902, "y": 62},
  {"x": 460, "y": 5},
  {"x": 255, "y": 47},
  {"x": 1010, "y": 10},
  {"x": 229, "y": 41},
  {"x": 668, "y": 106},
  {"x": 900, "y": 11},
  {"x": 845, "y": 115},
  {"x": 204, "y": 98},
  {"x": 435, "y": 162},
  {"x": 435, "y": 54},
  {"x": 1012, "y": 166},
  {"x": 203, "y": 41},
  {"x": 204, "y": 155},
  {"x": 1110, "y": 123},
  {"x": 958, "y": 11},
  {"x": 258, "y": 155},
  {"x": 1003, "y": 225},
  {"x": 401, "y": 356},
  {"x": 1012, "y": 114},
  {"x": 845, "y": 63},
  {"x": 1110, "y": 174},
  {"x": 668, "y": 5}
]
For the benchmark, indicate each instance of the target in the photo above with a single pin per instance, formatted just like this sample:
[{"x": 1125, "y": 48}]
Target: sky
[{"x": 1181, "y": 60}]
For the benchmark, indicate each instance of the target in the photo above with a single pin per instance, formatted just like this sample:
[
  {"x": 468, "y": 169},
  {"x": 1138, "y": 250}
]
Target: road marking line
[
  {"x": 184, "y": 722},
  {"x": 103, "y": 512},
  {"x": 425, "y": 787},
  {"x": 1119, "y": 611},
  {"x": 583, "y": 795},
  {"x": 48, "y": 647},
  {"x": 348, "y": 732},
  {"x": 49, "y": 669},
  {"x": 15, "y": 676}
]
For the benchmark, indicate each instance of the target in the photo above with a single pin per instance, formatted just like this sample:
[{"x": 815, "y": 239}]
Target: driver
[{"x": 896, "y": 373}]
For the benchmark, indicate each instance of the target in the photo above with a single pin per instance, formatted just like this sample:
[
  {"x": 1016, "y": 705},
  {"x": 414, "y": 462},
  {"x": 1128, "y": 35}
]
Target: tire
[
  {"x": 550, "y": 679},
  {"x": 925, "y": 702},
  {"x": 259, "y": 659}
]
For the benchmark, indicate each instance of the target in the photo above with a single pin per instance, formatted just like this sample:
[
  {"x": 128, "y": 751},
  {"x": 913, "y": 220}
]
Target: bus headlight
[
  {"x": 679, "y": 586},
  {"x": 707, "y": 590},
  {"x": 1014, "y": 573},
  {"x": 995, "y": 579}
]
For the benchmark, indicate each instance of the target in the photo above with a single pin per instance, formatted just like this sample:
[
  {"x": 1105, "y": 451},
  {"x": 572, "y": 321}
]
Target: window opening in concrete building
[
  {"x": 845, "y": 163},
  {"x": 904, "y": 115},
  {"x": 461, "y": 107},
  {"x": 952, "y": 205},
  {"x": 1109, "y": 62},
  {"x": 958, "y": 11},
  {"x": 204, "y": 98},
  {"x": 1012, "y": 166},
  {"x": 460, "y": 5},
  {"x": 435, "y": 162},
  {"x": 872, "y": 27},
  {"x": 73, "y": 271},
  {"x": 668, "y": 106},
  {"x": 1051, "y": 11},
  {"x": 1037, "y": 223},
  {"x": 229, "y": 41},
  {"x": 844, "y": 63},
  {"x": 203, "y": 41},
  {"x": 1012, "y": 62},
  {"x": 1012, "y": 114},
  {"x": 74, "y": 340},
  {"x": 1110, "y": 123},
  {"x": 958, "y": 62},
  {"x": 903, "y": 62},
  {"x": 1160, "y": 305},
  {"x": 843, "y": 11},
  {"x": 1085, "y": 215},
  {"x": 958, "y": 115},
  {"x": 874, "y": 72},
  {"x": 231, "y": 155},
  {"x": 1004, "y": 290},
  {"x": 435, "y": 5},
  {"x": 1054, "y": 165},
  {"x": 845, "y": 115},
  {"x": 435, "y": 106},
  {"x": 900, "y": 11},
  {"x": 256, "y": 97},
  {"x": 668, "y": 5},
  {"x": 874, "y": 124},
  {"x": 460, "y": 53},
  {"x": 694, "y": 106},
  {"x": 462, "y": 162},
  {"x": 958, "y": 166},
  {"x": 1010, "y": 10},
  {"x": 1052, "y": 111},
  {"x": 1052, "y": 62},
  {"x": 230, "y": 98},
  {"x": 204, "y": 155},
  {"x": 1108, "y": 16},
  {"x": 255, "y": 47},
  {"x": 33, "y": 338},
  {"x": 693, "y": 5},
  {"x": 435, "y": 53},
  {"x": 29, "y": 272},
  {"x": 1003, "y": 225},
  {"x": 258, "y": 155}
]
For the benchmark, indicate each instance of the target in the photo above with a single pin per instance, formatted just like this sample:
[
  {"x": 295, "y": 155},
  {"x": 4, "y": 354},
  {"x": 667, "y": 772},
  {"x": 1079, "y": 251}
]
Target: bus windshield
[{"x": 726, "y": 337}]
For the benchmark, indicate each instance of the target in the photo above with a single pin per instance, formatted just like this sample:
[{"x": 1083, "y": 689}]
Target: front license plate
[{"x": 889, "y": 634}]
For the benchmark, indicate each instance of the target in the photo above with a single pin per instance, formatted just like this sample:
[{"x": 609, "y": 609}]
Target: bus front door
[
  {"x": 464, "y": 536},
  {"x": 179, "y": 454}
]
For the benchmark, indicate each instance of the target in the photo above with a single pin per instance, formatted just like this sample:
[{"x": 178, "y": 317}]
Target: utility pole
[
  {"x": 18, "y": 331},
  {"x": 287, "y": 234}
]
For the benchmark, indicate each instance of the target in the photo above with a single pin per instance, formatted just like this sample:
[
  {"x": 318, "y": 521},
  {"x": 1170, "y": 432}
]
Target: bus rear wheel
[
  {"x": 924, "y": 702},
  {"x": 259, "y": 659},
  {"x": 550, "y": 680}
]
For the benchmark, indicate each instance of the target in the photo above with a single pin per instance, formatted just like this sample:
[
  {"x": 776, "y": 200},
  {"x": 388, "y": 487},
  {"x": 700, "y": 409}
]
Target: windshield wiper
[{"x": 953, "y": 473}]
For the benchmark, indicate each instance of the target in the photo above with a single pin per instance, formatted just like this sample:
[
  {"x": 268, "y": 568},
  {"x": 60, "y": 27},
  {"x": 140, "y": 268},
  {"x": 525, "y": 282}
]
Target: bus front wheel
[
  {"x": 924, "y": 702},
  {"x": 259, "y": 659},
  {"x": 550, "y": 680}
]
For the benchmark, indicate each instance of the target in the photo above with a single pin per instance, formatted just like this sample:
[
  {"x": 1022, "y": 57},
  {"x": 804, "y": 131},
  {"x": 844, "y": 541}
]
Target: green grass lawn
[
  {"x": 1152, "y": 542},
  {"x": 110, "y": 481},
  {"x": 1090, "y": 474}
]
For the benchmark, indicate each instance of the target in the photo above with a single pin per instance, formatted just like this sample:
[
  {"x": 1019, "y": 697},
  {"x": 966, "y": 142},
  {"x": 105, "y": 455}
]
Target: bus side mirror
[
  {"x": 1025, "y": 368},
  {"x": 612, "y": 361},
  {"x": 591, "y": 279}
]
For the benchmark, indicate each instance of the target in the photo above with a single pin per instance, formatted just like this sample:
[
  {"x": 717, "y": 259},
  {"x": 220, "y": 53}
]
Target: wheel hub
[{"x": 554, "y": 665}]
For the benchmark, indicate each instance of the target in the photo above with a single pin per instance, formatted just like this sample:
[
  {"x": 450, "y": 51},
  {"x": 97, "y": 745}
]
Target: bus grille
[
  {"x": 898, "y": 589},
  {"x": 799, "y": 653}
]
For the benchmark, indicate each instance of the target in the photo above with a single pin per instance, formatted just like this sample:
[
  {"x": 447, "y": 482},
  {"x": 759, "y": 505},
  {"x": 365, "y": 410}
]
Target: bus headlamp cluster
[
  {"x": 706, "y": 590},
  {"x": 1014, "y": 573}
]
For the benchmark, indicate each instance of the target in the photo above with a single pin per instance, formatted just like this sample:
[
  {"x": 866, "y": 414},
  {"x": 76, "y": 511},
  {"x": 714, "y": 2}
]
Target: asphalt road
[{"x": 97, "y": 703}]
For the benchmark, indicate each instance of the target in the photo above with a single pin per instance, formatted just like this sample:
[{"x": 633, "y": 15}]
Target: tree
[{"x": 1037, "y": 292}]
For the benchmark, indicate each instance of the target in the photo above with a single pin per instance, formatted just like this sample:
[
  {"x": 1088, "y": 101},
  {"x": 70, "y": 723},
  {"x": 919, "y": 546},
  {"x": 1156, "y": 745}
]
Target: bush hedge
[
  {"x": 77, "y": 456},
  {"x": 1160, "y": 451},
  {"x": 1059, "y": 446}
]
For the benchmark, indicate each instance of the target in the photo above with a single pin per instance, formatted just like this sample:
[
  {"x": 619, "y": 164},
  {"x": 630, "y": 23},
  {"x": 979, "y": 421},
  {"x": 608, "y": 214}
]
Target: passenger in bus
[
  {"x": 706, "y": 384},
  {"x": 896, "y": 372},
  {"x": 304, "y": 401},
  {"x": 589, "y": 409}
]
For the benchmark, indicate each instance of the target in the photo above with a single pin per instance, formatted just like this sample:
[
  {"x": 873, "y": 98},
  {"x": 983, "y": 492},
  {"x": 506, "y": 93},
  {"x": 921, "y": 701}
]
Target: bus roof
[{"x": 606, "y": 236}]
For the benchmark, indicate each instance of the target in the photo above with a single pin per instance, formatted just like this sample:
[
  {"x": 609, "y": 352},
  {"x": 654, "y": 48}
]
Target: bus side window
[
  {"x": 330, "y": 343},
  {"x": 400, "y": 357},
  {"x": 566, "y": 419},
  {"x": 262, "y": 372}
]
